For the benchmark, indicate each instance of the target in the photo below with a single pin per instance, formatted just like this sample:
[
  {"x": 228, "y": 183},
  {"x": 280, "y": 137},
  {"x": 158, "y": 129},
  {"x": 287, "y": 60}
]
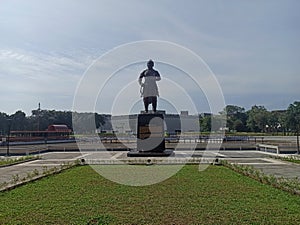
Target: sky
[{"x": 251, "y": 47}]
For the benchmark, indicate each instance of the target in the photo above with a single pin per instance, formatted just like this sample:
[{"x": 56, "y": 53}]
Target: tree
[
  {"x": 18, "y": 121},
  {"x": 85, "y": 123},
  {"x": 205, "y": 123},
  {"x": 236, "y": 118},
  {"x": 41, "y": 119},
  {"x": 4, "y": 123},
  {"x": 99, "y": 120},
  {"x": 212, "y": 123},
  {"x": 293, "y": 120},
  {"x": 275, "y": 121},
  {"x": 282, "y": 122},
  {"x": 257, "y": 119},
  {"x": 239, "y": 125}
]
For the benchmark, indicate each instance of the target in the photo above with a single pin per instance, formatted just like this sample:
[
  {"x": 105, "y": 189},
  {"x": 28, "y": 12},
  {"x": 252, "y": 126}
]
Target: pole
[
  {"x": 38, "y": 115},
  {"x": 8, "y": 137},
  {"x": 298, "y": 147}
]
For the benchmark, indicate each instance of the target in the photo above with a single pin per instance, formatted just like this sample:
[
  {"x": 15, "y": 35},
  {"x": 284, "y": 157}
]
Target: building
[
  {"x": 58, "y": 128},
  {"x": 174, "y": 123}
]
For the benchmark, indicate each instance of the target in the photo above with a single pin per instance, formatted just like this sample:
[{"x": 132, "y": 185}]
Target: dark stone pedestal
[
  {"x": 150, "y": 136},
  {"x": 165, "y": 153}
]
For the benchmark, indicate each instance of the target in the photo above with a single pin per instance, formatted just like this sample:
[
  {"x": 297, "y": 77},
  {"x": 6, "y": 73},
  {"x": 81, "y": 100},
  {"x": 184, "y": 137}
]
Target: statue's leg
[
  {"x": 154, "y": 103},
  {"x": 146, "y": 103}
]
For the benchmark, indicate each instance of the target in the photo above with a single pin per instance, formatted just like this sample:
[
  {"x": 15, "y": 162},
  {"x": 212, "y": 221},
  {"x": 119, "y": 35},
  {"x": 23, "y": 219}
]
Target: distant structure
[
  {"x": 174, "y": 123},
  {"x": 38, "y": 116},
  {"x": 58, "y": 128},
  {"x": 54, "y": 132}
]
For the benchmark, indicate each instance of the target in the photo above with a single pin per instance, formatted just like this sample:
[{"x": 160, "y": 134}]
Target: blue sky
[{"x": 252, "y": 47}]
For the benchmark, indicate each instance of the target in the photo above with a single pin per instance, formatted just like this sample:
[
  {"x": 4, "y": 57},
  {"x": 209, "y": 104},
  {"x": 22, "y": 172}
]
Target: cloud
[
  {"x": 45, "y": 46},
  {"x": 41, "y": 75}
]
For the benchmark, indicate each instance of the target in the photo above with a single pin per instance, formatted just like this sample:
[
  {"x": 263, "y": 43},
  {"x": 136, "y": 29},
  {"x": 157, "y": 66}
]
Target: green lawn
[
  {"x": 12, "y": 161},
  {"x": 215, "y": 196}
]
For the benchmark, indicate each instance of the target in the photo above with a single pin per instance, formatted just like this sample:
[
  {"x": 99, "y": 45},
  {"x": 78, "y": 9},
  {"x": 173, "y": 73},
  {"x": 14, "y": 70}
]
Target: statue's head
[{"x": 150, "y": 64}]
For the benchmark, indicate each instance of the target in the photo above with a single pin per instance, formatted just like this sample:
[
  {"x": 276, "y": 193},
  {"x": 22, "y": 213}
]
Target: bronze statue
[{"x": 149, "y": 89}]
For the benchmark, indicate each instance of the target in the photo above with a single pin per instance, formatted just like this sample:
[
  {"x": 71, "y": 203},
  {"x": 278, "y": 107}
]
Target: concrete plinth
[
  {"x": 165, "y": 153},
  {"x": 150, "y": 137}
]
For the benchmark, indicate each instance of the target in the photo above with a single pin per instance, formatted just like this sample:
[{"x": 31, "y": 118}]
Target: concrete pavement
[{"x": 257, "y": 159}]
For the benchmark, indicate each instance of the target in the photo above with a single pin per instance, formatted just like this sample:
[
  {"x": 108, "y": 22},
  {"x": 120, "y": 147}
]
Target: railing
[
  {"x": 267, "y": 148},
  {"x": 182, "y": 138}
]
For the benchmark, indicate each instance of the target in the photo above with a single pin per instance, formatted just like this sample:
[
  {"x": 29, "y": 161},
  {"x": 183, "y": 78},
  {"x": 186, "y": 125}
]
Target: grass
[
  {"x": 293, "y": 159},
  {"x": 217, "y": 195},
  {"x": 35, "y": 175},
  {"x": 13, "y": 161},
  {"x": 259, "y": 134},
  {"x": 286, "y": 184}
]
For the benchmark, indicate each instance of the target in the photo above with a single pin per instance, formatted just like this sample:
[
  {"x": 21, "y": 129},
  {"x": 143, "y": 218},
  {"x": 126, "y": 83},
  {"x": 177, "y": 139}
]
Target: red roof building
[{"x": 58, "y": 128}]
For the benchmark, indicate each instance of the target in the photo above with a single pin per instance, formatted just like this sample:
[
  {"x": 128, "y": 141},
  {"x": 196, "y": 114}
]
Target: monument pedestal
[
  {"x": 150, "y": 137},
  {"x": 165, "y": 153}
]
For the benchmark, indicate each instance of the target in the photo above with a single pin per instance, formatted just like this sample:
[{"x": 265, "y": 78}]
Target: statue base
[
  {"x": 165, "y": 153},
  {"x": 150, "y": 137}
]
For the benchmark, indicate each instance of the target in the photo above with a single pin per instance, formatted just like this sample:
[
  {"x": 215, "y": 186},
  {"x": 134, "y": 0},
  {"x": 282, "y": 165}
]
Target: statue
[
  {"x": 150, "y": 126},
  {"x": 149, "y": 89}
]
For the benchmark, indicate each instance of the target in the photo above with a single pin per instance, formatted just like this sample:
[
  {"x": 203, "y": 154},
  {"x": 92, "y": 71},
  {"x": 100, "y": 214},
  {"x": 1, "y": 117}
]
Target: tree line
[
  {"x": 39, "y": 120},
  {"x": 258, "y": 119}
]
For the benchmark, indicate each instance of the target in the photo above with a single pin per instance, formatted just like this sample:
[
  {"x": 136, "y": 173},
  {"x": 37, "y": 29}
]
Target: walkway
[{"x": 257, "y": 159}]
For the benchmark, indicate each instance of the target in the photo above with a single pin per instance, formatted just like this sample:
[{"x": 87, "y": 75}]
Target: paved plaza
[{"x": 257, "y": 159}]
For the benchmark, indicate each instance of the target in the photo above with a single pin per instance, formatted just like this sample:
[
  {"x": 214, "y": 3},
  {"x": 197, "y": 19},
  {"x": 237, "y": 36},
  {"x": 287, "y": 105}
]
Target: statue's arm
[
  {"x": 140, "y": 81},
  {"x": 141, "y": 78},
  {"x": 157, "y": 76}
]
